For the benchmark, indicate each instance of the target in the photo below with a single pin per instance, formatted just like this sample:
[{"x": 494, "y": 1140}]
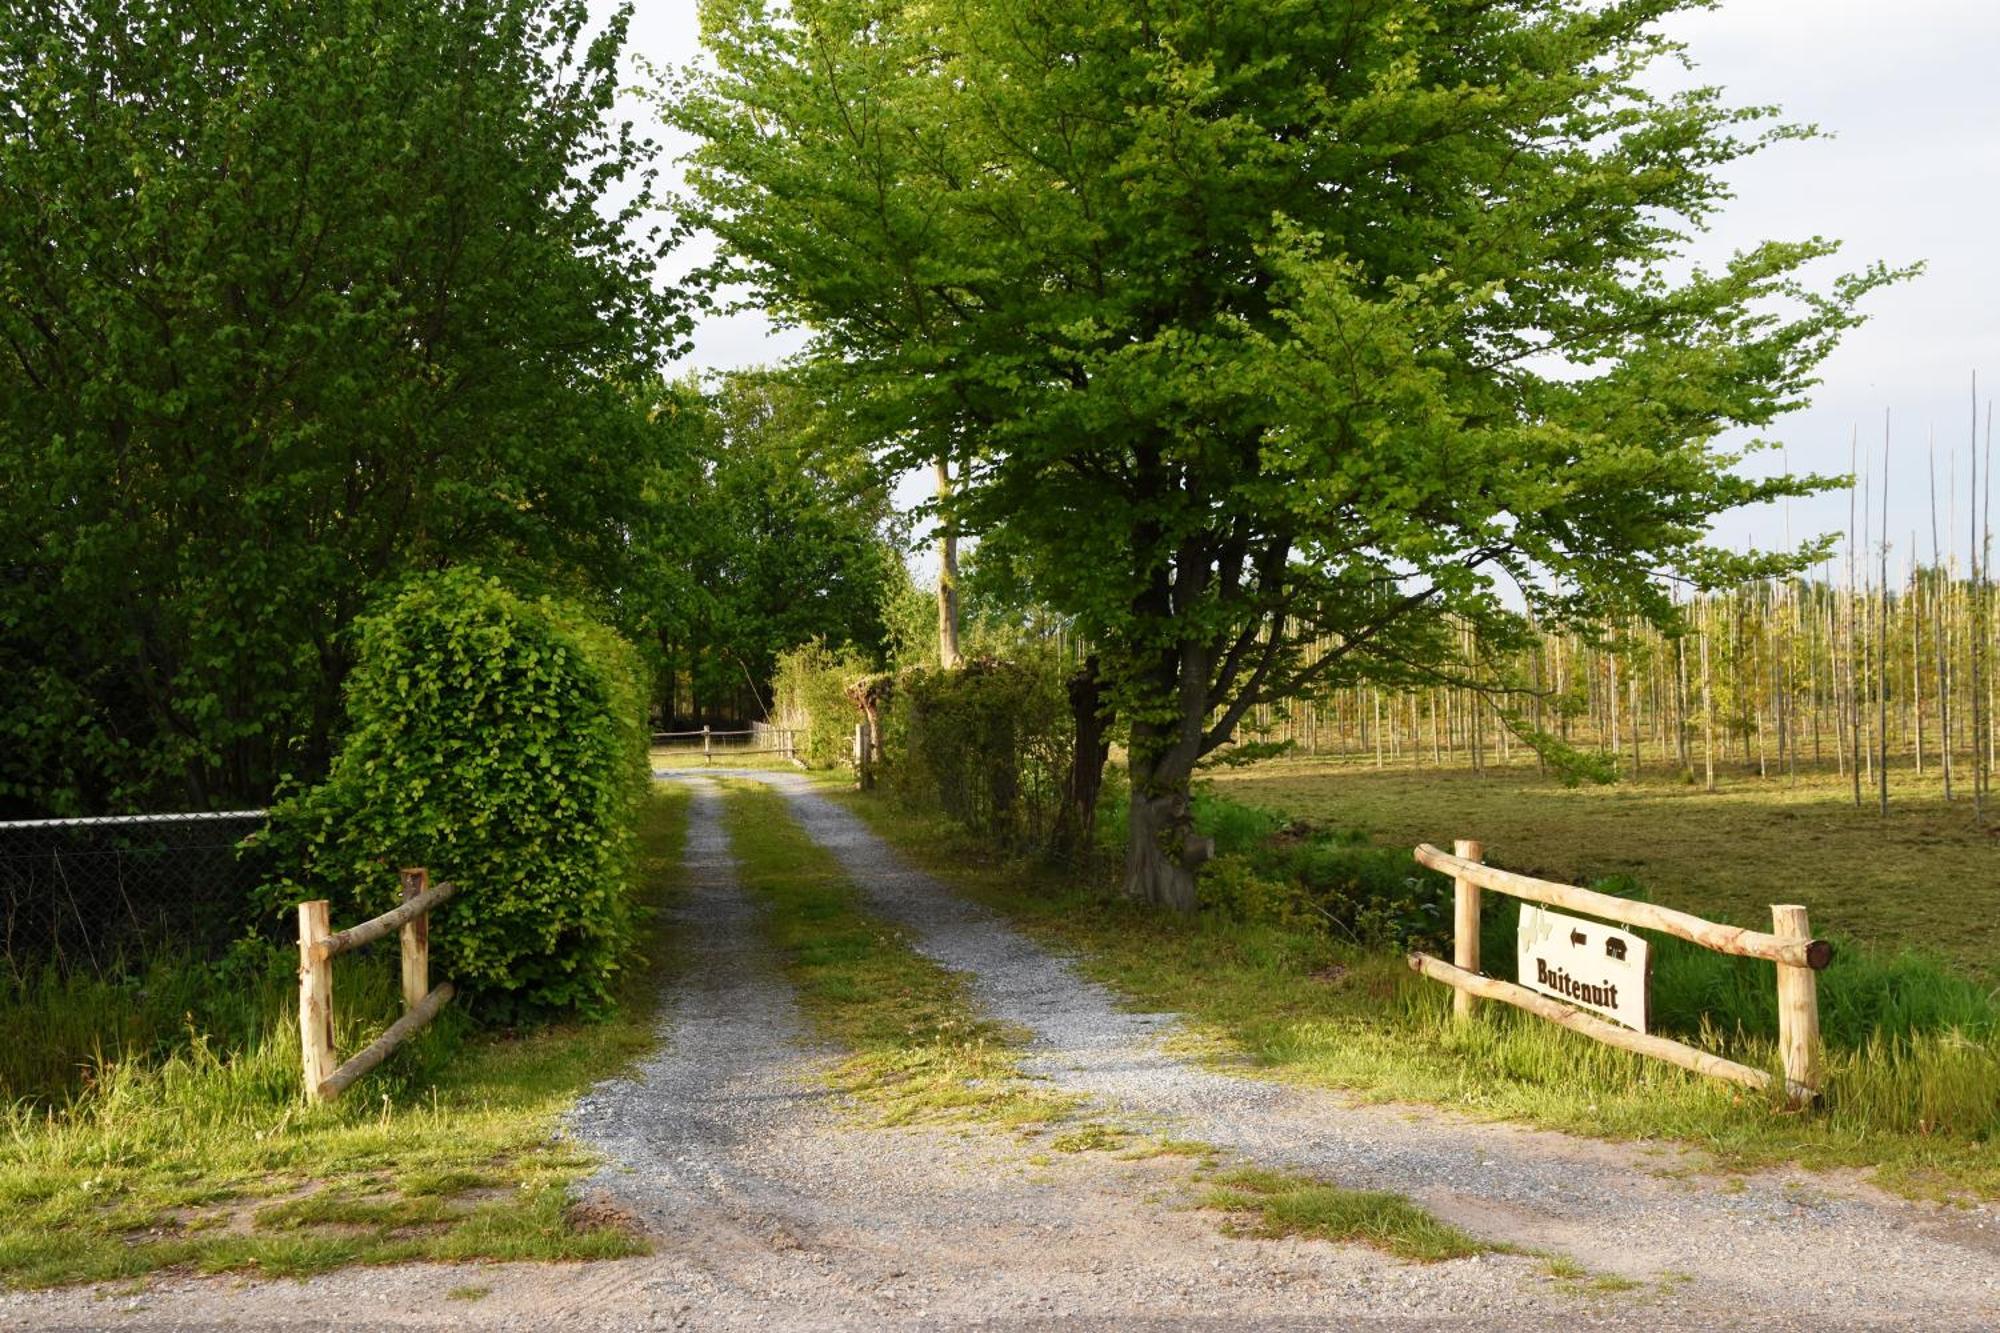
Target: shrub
[
  {"x": 987, "y": 745},
  {"x": 811, "y": 699},
  {"x": 501, "y": 742}
]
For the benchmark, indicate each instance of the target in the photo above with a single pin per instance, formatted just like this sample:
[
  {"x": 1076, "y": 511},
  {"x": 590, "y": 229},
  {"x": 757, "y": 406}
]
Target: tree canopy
[
  {"x": 1252, "y": 326},
  {"x": 768, "y": 532},
  {"x": 295, "y": 299}
]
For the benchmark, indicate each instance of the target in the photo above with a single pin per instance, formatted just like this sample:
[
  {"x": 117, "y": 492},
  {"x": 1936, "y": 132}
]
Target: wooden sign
[{"x": 1592, "y": 966}]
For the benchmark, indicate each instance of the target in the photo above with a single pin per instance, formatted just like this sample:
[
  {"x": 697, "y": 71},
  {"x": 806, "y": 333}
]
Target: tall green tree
[
  {"x": 1265, "y": 321},
  {"x": 772, "y": 531},
  {"x": 294, "y": 298}
]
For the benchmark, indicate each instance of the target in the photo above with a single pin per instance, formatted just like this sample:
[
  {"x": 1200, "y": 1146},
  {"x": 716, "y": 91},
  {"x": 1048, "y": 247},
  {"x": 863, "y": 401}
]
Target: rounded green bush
[{"x": 499, "y": 741}]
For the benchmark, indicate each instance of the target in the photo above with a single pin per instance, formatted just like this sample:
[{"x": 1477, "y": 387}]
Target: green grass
[
  {"x": 206, "y": 1158},
  {"x": 1920, "y": 1108},
  {"x": 1275, "y": 1204},
  {"x": 918, "y": 1050},
  {"x": 82, "y": 1021},
  {"x": 1922, "y": 879}
]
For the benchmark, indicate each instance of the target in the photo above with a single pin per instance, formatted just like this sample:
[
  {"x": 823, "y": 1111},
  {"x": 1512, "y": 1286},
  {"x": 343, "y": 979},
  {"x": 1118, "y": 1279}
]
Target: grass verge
[
  {"x": 207, "y": 1159},
  {"x": 918, "y": 1050},
  {"x": 1274, "y": 1204},
  {"x": 1920, "y": 1110}
]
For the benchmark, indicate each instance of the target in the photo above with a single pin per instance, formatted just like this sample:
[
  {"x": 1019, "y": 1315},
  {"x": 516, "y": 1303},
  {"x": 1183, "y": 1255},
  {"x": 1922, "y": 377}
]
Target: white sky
[{"x": 1911, "y": 93}]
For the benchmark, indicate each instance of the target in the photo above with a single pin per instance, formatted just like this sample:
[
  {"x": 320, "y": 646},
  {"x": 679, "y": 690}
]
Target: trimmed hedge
[
  {"x": 500, "y": 741},
  {"x": 988, "y": 745}
]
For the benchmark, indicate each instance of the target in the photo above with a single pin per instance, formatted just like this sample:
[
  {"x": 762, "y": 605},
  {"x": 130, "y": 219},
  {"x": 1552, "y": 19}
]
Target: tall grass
[{"x": 75, "y": 1032}]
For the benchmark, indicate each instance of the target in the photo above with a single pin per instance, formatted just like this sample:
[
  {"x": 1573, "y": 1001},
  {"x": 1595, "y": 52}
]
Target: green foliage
[
  {"x": 294, "y": 299},
  {"x": 1319, "y": 882},
  {"x": 501, "y": 743},
  {"x": 771, "y": 531},
  {"x": 811, "y": 697},
  {"x": 71, "y": 1025},
  {"x": 1250, "y": 333},
  {"x": 987, "y": 744}
]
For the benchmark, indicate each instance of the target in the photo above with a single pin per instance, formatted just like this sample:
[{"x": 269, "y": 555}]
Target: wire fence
[{"x": 99, "y": 894}]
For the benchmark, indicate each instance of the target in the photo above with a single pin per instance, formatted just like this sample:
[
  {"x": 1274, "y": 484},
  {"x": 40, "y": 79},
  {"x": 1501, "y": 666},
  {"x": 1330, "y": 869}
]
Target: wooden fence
[
  {"x": 754, "y": 740},
  {"x": 1790, "y": 945},
  {"x": 320, "y": 944}
]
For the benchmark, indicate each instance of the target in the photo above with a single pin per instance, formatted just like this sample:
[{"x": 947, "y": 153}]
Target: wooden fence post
[
  {"x": 315, "y": 996},
  {"x": 705, "y": 744},
  {"x": 416, "y": 942},
  {"x": 1465, "y": 925},
  {"x": 1798, "y": 1010}
]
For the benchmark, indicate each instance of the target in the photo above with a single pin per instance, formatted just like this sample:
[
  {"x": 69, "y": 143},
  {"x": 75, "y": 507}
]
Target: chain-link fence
[{"x": 97, "y": 894}]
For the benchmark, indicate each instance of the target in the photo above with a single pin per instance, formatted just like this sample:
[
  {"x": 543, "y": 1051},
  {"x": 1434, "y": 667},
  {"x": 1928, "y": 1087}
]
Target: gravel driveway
[{"x": 772, "y": 1209}]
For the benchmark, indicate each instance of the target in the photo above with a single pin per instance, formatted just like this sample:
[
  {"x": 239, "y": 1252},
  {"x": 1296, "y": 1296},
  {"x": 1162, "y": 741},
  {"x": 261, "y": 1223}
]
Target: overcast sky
[{"x": 1910, "y": 93}]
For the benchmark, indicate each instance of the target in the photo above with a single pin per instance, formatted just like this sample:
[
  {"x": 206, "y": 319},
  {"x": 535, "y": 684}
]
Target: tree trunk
[
  {"x": 1162, "y": 851},
  {"x": 1076, "y": 827},
  {"x": 947, "y": 575}
]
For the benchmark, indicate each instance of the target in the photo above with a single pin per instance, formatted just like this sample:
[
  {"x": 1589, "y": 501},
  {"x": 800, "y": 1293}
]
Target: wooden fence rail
[
  {"x": 777, "y": 740},
  {"x": 1790, "y": 945},
  {"x": 320, "y": 944}
]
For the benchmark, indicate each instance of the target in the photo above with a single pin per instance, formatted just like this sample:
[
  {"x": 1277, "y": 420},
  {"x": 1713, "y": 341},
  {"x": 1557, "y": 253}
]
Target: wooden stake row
[
  {"x": 1790, "y": 945},
  {"x": 319, "y": 945}
]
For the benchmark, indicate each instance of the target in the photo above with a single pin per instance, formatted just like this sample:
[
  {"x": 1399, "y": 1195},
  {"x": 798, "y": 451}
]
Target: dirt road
[{"x": 770, "y": 1208}]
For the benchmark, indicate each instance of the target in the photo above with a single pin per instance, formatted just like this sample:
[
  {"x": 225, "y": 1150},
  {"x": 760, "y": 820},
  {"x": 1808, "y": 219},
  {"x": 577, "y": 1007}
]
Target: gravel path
[
  {"x": 1837, "y": 1245},
  {"x": 771, "y": 1208}
]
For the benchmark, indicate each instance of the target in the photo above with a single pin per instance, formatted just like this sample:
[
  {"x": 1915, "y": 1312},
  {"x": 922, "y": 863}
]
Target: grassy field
[
  {"x": 207, "y": 1159},
  {"x": 1925, "y": 878},
  {"x": 1918, "y": 1108}
]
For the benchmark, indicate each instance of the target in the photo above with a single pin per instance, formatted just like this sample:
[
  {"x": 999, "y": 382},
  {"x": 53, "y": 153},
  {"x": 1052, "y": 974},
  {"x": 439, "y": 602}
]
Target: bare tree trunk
[
  {"x": 1162, "y": 852},
  {"x": 1940, "y": 590},
  {"x": 1853, "y": 600},
  {"x": 1882, "y": 638},
  {"x": 1708, "y": 713},
  {"x": 1076, "y": 823},
  {"x": 947, "y": 573}
]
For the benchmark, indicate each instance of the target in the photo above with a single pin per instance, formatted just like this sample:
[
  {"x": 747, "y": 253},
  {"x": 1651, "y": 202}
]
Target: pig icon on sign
[{"x": 1615, "y": 948}]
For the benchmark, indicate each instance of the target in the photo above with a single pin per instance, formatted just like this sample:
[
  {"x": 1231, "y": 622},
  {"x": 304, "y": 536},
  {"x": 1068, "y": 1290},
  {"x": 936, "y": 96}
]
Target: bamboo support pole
[
  {"x": 416, "y": 941},
  {"x": 1576, "y": 1020},
  {"x": 1465, "y": 926},
  {"x": 1798, "y": 1009},
  {"x": 343, "y": 1078},
  {"x": 1796, "y": 951},
  {"x": 386, "y": 924},
  {"x": 315, "y": 996}
]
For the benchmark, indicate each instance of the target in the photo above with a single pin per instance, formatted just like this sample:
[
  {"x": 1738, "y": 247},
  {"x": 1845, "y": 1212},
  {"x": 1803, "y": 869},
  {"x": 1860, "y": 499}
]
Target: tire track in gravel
[
  {"x": 1781, "y": 1244},
  {"x": 733, "y": 1071}
]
